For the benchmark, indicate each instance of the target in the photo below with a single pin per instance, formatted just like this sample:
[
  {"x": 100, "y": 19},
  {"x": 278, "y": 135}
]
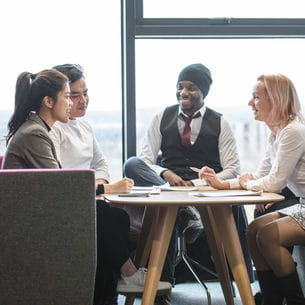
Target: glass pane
[
  {"x": 235, "y": 66},
  {"x": 223, "y": 8},
  {"x": 33, "y": 41}
]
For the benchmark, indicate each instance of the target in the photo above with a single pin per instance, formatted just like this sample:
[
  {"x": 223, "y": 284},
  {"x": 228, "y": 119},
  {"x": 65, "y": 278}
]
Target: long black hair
[{"x": 30, "y": 91}]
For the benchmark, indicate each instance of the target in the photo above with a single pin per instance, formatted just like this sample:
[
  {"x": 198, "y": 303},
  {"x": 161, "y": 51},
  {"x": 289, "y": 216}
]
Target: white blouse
[{"x": 284, "y": 162}]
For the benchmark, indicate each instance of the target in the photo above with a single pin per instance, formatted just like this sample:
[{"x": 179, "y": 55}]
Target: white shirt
[
  {"x": 76, "y": 147},
  {"x": 284, "y": 162},
  {"x": 227, "y": 148}
]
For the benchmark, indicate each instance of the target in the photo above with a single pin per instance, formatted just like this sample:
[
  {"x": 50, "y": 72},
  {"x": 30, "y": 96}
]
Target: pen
[{"x": 195, "y": 169}]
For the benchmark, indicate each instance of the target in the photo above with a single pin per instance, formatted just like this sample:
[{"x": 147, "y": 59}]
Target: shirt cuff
[
  {"x": 101, "y": 175},
  {"x": 251, "y": 185},
  {"x": 234, "y": 184},
  {"x": 158, "y": 169}
]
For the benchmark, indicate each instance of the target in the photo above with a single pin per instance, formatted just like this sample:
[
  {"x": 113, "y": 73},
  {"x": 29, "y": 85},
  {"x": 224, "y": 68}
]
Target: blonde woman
[{"x": 275, "y": 102}]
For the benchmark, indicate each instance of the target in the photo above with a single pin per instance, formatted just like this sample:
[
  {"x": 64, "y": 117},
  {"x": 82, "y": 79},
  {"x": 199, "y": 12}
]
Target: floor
[{"x": 193, "y": 294}]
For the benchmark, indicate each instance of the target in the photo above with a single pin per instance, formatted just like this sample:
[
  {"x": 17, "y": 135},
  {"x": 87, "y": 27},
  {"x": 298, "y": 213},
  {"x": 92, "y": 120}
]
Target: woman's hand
[
  {"x": 123, "y": 186},
  {"x": 243, "y": 179},
  {"x": 209, "y": 175},
  {"x": 260, "y": 207},
  {"x": 263, "y": 207}
]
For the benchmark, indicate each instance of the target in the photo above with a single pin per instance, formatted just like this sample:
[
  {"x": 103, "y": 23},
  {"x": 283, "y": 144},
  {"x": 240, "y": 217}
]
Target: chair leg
[
  {"x": 201, "y": 283},
  {"x": 129, "y": 300},
  {"x": 182, "y": 256}
]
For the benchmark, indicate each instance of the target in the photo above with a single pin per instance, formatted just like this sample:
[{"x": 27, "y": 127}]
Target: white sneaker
[
  {"x": 122, "y": 288},
  {"x": 137, "y": 279}
]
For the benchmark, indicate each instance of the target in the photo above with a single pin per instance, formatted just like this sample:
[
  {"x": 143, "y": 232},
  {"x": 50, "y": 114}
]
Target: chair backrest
[{"x": 47, "y": 237}]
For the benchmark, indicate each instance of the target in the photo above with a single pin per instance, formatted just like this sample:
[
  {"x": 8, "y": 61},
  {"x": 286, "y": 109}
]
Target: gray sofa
[{"x": 47, "y": 237}]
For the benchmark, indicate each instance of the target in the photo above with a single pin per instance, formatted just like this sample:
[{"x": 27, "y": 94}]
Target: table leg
[
  {"x": 162, "y": 235},
  {"x": 224, "y": 216},
  {"x": 146, "y": 236},
  {"x": 144, "y": 243},
  {"x": 217, "y": 251}
]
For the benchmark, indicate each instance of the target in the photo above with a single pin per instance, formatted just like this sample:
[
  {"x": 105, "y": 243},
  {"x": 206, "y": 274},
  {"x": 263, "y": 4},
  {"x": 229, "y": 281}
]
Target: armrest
[{"x": 47, "y": 227}]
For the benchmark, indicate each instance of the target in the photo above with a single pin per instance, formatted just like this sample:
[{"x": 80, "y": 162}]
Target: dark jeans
[{"x": 112, "y": 226}]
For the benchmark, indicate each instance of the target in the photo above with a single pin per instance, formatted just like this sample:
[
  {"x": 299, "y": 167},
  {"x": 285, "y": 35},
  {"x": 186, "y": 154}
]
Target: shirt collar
[
  {"x": 47, "y": 126},
  {"x": 201, "y": 110}
]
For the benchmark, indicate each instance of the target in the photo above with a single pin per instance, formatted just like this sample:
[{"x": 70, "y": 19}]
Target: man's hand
[
  {"x": 122, "y": 186},
  {"x": 174, "y": 179}
]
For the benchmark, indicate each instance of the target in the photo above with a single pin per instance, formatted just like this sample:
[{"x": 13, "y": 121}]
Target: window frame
[{"x": 135, "y": 26}]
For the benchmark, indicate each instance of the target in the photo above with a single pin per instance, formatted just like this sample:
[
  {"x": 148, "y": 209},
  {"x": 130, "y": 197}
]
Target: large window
[
  {"x": 238, "y": 40},
  {"x": 235, "y": 65},
  {"x": 36, "y": 35}
]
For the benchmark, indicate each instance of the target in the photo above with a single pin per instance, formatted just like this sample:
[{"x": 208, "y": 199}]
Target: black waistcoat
[{"x": 204, "y": 152}]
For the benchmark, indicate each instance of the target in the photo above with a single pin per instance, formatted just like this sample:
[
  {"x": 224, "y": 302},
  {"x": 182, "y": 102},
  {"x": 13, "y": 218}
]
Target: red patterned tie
[{"x": 186, "y": 135}]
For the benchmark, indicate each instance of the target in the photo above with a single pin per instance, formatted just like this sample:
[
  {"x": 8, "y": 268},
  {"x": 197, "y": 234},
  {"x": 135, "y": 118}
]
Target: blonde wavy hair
[{"x": 283, "y": 98}]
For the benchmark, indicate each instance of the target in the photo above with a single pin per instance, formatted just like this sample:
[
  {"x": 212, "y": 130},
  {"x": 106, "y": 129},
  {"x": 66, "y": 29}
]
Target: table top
[{"x": 183, "y": 197}]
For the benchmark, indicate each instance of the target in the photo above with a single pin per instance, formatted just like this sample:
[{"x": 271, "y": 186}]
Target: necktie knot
[{"x": 186, "y": 134}]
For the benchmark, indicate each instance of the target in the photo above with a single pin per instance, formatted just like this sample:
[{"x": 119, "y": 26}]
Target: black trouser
[{"x": 112, "y": 226}]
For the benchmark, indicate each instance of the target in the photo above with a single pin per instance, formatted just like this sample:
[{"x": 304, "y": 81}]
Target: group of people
[{"x": 47, "y": 130}]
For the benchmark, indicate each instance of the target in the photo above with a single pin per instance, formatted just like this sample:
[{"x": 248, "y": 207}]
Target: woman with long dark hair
[{"x": 40, "y": 100}]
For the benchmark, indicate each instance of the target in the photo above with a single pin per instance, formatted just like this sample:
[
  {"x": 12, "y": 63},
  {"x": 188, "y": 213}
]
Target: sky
[
  {"x": 36, "y": 35},
  {"x": 224, "y": 8}
]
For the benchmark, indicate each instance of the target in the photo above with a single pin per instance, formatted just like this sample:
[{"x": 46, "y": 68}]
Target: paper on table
[
  {"x": 164, "y": 187},
  {"x": 153, "y": 190},
  {"x": 143, "y": 188},
  {"x": 180, "y": 189},
  {"x": 227, "y": 193}
]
